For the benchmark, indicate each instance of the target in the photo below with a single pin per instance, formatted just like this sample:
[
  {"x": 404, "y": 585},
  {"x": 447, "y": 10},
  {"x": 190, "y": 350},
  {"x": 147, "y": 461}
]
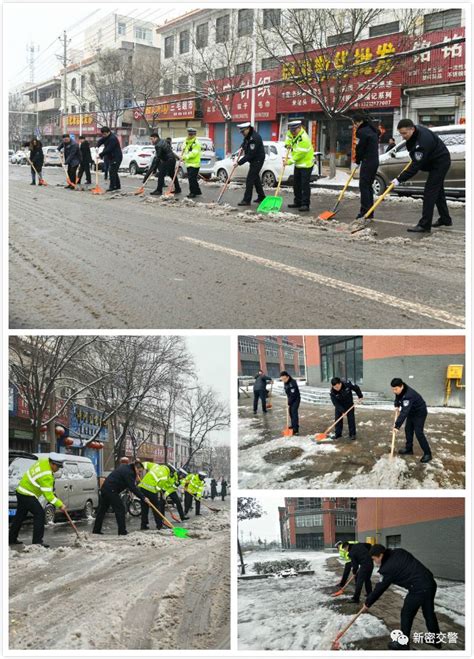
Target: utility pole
[{"x": 64, "y": 41}]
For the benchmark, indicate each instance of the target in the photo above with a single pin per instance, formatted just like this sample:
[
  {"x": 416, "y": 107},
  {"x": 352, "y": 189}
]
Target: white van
[{"x": 208, "y": 155}]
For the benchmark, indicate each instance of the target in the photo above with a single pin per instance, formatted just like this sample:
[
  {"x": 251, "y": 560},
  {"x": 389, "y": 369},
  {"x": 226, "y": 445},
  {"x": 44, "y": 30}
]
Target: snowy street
[
  {"x": 299, "y": 613},
  {"x": 146, "y": 591},
  {"x": 267, "y": 459}
]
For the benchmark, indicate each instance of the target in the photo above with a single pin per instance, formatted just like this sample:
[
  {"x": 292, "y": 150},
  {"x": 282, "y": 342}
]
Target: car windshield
[{"x": 19, "y": 466}]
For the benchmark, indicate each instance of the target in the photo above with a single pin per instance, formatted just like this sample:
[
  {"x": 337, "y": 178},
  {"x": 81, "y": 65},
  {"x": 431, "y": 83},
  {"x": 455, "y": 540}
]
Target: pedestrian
[
  {"x": 367, "y": 157},
  {"x": 253, "y": 153},
  {"x": 105, "y": 168},
  {"x": 165, "y": 162},
  {"x": 193, "y": 485},
  {"x": 37, "y": 160},
  {"x": 223, "y": 488},
  {"x": 301, "y": 154},
  {"x": 428, "y": 153},
  {"x": 86, "y": 160},
  {"x": 36, "y": 482},
  {"x": 413, "y": 412},
  {"x": 400, "y": 568},
  {"x": 192, "y": 159},
  {"x": 122, "y": 478},
  {"x": 390, "y": 144},
  {"x": 213, "y": 489},
  {"x": 342, "y": 399},
  {"x": 72, "y": 159},
  {"x": 293, "y": 396},
  {"x": 158, "y": 483},
  {"x": 362, "y": 566},
  {"x": 344, "y": 555},
  {"x": 260, "y": 391},
  {"x": 112, "y": 156}
]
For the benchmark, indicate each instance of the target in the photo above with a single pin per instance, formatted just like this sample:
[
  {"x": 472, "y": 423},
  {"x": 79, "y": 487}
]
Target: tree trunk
[
  {"x": 242, "y": 564},
  {"x": 228, "y": 137},
  {"x": 332, "y": 146}
]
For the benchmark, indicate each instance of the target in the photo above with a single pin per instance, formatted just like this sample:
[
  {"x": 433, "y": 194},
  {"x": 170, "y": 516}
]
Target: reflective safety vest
[
  {"x": 194, "y": 485},
  {"x": 344, "y": 554},
  {"x": 157, "y": 479},
  {"x": 39, "y": 481},
  {"x": 192, "y": 153},
  {"x": 302, "y": 152}
]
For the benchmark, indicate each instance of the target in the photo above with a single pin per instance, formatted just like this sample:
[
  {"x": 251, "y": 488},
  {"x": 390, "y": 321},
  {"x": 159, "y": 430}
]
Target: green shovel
[
  {"x": 177, "y": 530},
  {"x": 273, "y": 204}
]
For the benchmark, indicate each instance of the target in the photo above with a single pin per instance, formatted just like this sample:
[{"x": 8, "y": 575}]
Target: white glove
[{"x": 395, "y": 182}]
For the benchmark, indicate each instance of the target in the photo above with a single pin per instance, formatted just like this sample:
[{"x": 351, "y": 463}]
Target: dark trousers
[
  {"x": 301, "y": 186},
  {"x": 193, "y": 173},
  {"x": 295, "y": 423},
  {"x": 85, "y": 168},
  {"x": 434, "y": 195},
  {"x": 351, "y": 422},
  {"x": 113, "y": 174},
  {"x": 25, "y": 505},
  {"x": 413, "y": 601},
  {"x": 366, "y": 180},
  {"x": 188, "y": 503},
  {"x": 177, "y": 502},
  {"x": 345, "y": 574},
  {"x": 414, "y": 425},
  {"x": 110, "y": 498},
  {"x": 105, "y": 169},
  {"x": 364, "y": 574},
  {"x": 253, "y": 180},
  {"x": 262, "y": 395},
  {"x": 71, "y": 172},
  {"x": 159, "y": 503},
  {"x": 167, "y": 168}
]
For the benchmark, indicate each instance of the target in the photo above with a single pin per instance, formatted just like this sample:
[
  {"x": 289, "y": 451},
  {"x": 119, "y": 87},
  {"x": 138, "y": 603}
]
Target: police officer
[
  {"x": 192, "y": 159},
  {"x": 122, "y": 478},
  {"x": 413, "y": 413},
  {"x": 344, "y": 555},
  {"x": 302, "y": 156},
  {"x": 399, "y": 567},
  {"x": 260, "y": 391},
  {"x": 158, "y": 480},
  {"x": 165, "y": 162},
  {"x": 254, "y": 154},
  {"x": 367, "y": 156},
  {"x": 37, "y": 481},
  {"x": 293, "y": 396},
  {"x": 362, "y": 567},
  {"x": 193, "y": 485},
  {"x": 342, "y": 399},
  {"x": 428, "y": 153},
  {"x": 112, "y": 155}
]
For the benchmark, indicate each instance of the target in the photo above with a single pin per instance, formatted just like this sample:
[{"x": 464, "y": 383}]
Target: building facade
[{"x": 272, "y": 354}]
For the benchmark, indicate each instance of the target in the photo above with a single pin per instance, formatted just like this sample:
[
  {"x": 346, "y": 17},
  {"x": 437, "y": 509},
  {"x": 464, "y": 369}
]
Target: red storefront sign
[
  {"x": 89, "y": 123},
  {"x": 24, "y": 413},
  {"x": 178, "y": 106},
  {"x": 155, "y": 452},
  {"x": 265, "y": 99},
  {"x": 440, "y": 66}
]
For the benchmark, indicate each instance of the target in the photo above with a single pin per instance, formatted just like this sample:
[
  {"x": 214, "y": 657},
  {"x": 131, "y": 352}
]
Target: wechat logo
[{"x": 399, "y": 636}]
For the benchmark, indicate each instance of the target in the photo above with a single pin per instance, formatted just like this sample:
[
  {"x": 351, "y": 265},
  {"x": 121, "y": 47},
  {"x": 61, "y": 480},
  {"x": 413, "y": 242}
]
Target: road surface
[{"x": 120, "y": 261}]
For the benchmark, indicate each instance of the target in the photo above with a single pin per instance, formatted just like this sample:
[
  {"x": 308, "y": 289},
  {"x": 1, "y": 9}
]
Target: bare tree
[
  {"x": 20, "y": 122},
  {"x": 247, "y": 508},
  {"x": 145, "y": 85},
  {"x": 109, "y": 85}
]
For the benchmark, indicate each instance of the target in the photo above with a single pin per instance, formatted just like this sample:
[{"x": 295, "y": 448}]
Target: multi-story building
[
  {"x": 272, "y": 354},
  {"x": 115, "y": 29},
  {"x": 44, "y": 100}
]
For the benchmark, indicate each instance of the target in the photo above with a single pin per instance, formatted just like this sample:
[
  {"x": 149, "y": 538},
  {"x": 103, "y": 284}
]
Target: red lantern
[
  {"x": 100, "y": 446},
  {"x": 68, "y": 441},
  {"x": 59, "y": 430},
  {"x": 43, "y": 428}
]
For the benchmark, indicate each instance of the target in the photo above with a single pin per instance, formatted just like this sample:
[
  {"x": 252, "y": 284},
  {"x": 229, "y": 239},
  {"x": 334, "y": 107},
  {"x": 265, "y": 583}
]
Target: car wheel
[
  {"x": 181, "y": 174},
  {"x": 49, "y": 514},
  {"x": 88, "y": 510},
  {"x": 269, "y": 179},
  {"x": 134, "y": 507},
  {"x": 379, "y": 186},
  {"x": 222, "y": 175},
  {"x": 133, "y": 169}
]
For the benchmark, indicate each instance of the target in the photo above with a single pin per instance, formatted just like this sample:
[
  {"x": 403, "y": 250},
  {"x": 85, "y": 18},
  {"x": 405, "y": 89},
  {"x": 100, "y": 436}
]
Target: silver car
[{"x": 208, "y": 155}]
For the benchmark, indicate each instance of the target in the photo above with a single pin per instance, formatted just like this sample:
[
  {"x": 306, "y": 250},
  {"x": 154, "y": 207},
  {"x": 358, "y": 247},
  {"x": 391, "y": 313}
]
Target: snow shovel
[
  {"x": 177, "y": 530},
  {"x": 78, "y": 537},
  {"x": 273, "y": 204},
  {"x": 97, "y": 189},
  {"x": 172, "y": 515},
  {"x": 41, "y": 180},
  {"x": 394, "y": 434},
  {"x": 287, "y": 432},
  {"x": 68, "y": 180},
  {"x": 169, "y": 192},
  {"x": 141, "y": 190},
  {"x": 328, "y": 215},
  {"x": 229, "y": 178},
  {"x": 341, "y": 590},
  {"x": 324, "y": 435},
  {"x": 363, "y": 220},
  {"x": 335, "y": 645},
  {"x": 214, "y": 510}
]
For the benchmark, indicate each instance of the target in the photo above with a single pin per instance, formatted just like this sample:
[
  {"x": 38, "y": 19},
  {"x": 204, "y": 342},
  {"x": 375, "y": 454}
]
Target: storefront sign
[
  {"x": 167, "y": 108},
  {"x": 442, "y": 65},
  {"x": 154, "y": 452},
  {"x": 88, "y": 125},
  {"x": 86, "y": 422},
  {"x": 12, "y": 401}
]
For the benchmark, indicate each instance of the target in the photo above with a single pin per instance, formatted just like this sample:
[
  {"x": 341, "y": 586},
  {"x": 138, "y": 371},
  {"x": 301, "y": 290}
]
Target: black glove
[{"x": 239, "y": 162}]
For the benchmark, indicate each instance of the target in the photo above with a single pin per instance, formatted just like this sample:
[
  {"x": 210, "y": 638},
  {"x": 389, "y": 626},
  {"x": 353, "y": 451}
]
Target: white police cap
[
  {"x": 246, "y": 124},
  {"x": 294, "y": 124}
]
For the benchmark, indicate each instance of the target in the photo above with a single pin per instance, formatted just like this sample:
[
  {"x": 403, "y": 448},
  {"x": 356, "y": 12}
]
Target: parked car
[
  {"x": 75, "y": 484},
  {"x": 94, "y": 157},
  {"x": 19, "y": 158},
  {"x": 274, "y": 154},
  {"x": 392, "y": 162},
  {"x": 137, "y": 157},
  {"x": 51, "y": 156},
  {"x": 208, "y": 155}
]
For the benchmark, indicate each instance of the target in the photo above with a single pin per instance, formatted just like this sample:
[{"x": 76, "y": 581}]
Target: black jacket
[
  {"x": 112, "y": 151},
  {"x": 427, "y": 150},
  {"x": 401, "y": 568},
  {"x": 123, "y": 478},
  {"x": 37, "y": 157},
  {"x": 292, "y": 391},
  {"x": 343, "y": 400},
  {"x": 367, "y": 147},
  {"x": 72, "y": 153},
  {"x": 410, "y": 403},
  {"x": 213, "y": 487},
  {"x": 360, "y": 557},
  {"x": 86, "y": 153},
  {"x": 260, "y": 383},
  {"x": 223, "y": 488},
  {"x": 163, "y": 153},
  {"x": 253, "y": 148}
]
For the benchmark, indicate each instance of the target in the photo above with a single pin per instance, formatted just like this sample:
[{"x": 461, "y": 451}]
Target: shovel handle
[
  {"x": 343, "y": 191},
  {"x": 280, "y": 178},
  {"x": 176, "y": 169},
  {"x": 229, "y": 178},
  {"x": 384, "y": 194},
  {"x": 71, "y": 523},
  {"x": 168, "y": 523},
  {"x": 337, "y": 420},
  {"x": 341, "y": 634},
  {"x": 394, "y": 434}
]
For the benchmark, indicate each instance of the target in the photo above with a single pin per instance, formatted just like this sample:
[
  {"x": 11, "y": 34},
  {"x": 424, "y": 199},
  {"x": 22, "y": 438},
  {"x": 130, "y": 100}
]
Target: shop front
[
  {"x": 85, "y": 423},
  {"x": 136, "y": 449},
  {"x": 170, "y": 116}
]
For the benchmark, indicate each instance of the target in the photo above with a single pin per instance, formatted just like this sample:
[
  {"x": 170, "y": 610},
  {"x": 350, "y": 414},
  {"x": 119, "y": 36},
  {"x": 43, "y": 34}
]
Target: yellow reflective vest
[
  {"x": 301, "y": 149},
  {"x": 194, "y": 485},
  {"x": 39, "y": 481},
  {"x": 345, "y": 554},
  {"x": 192, "y": 153},
  {"x": 157, "y": 479}
]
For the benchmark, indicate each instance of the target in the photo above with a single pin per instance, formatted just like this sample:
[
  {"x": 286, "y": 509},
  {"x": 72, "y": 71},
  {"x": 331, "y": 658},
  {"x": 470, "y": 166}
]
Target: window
[
  {"x": 91, "y": 107},
  {"x": 345, "y": 519},
  {"x": 452, "y": 139},
  {"x": 221, "y": 72},
  {"x": 302, "y": 47},
  {"x": 83, "y": 107},
  {"x": 71, "y": 470},
  {"x": 341, "y": 357},
  {"x": 442, "y": 19},
  {"x": 143, "y": 34},
  {"x": 83, "y": 83},
  {"x": 385, "y": 28},
  {"x": 271, "y": 18},
  {"x": 344, "y": 37},
  {"x": 202, "y": 35},
  {"x": 73, "y": 109},
  {"x": 222, "y": 28},
  {"x": 308, "y": 502},
  {"x": 86, "y": 469},
  {"x": 245, "y": 22},
  {"x": 199, "y": 80},
  {"x": 169, "y": 46},
  {"x": 183, "y": 83},
  {"x": 122, "y": 29},
  {"x": 73, "y": 84},
  {"x": 305, "y": 521},
  {"x": 248, "y": 344},
  {"x": 168, "y": 86},
  {"x": 393, "y": 541},
  {"x": 184, "y": 42},
  {"x": 245, "y": 67},
  {"x": 270, "y": 63},
  {"x": 271, "y": 349}
]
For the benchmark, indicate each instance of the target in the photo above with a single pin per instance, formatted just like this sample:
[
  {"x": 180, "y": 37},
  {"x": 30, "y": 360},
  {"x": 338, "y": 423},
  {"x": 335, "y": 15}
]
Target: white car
[
  {"x": 137, "y": 157},
  {"x": 208, "y": 155},
  {"x": 51, "y": 156},
  {"x": 10, "y": 154},
  {"x": 19, "y": 158}
]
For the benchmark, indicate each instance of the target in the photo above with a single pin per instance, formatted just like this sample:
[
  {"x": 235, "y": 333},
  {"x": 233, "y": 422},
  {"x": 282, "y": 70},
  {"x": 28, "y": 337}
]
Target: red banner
[
  {"x": 442, "y": 65},
  {"x": 88, "y": 125},
  {"x": 178, "y": 106},
  {"x": 23, "y": 411}
]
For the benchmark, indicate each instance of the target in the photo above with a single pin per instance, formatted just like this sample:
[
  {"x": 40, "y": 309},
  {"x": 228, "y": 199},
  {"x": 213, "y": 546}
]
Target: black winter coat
[
  {"x": 72, "y": 153},
  {"x": 37, "y": 157},
  {"x": 401, "y": 568},
  {"x": 359, "y": 555},
  {"x": 112, "y": 151},
  {"x": 213, "y": 488},
  {"x": 426, "y": 151},
  {"x": 123, "y": 478},
  {"x": 86, "y": 153},
  {"x": 410, "y": 403},
  {"x": 343, "y": 400},
  {"x": 292, "y": 391},
  {"x": 223, "y": 488},
  {"x": 260, "y": 383},
  {"x": 253, "y": 148},
  {"x": 367, "y": 147}
]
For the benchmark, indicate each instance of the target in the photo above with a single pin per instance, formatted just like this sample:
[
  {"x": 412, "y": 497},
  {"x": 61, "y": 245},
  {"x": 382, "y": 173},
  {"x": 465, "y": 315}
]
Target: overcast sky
[{"x": 266, "y": 527}]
